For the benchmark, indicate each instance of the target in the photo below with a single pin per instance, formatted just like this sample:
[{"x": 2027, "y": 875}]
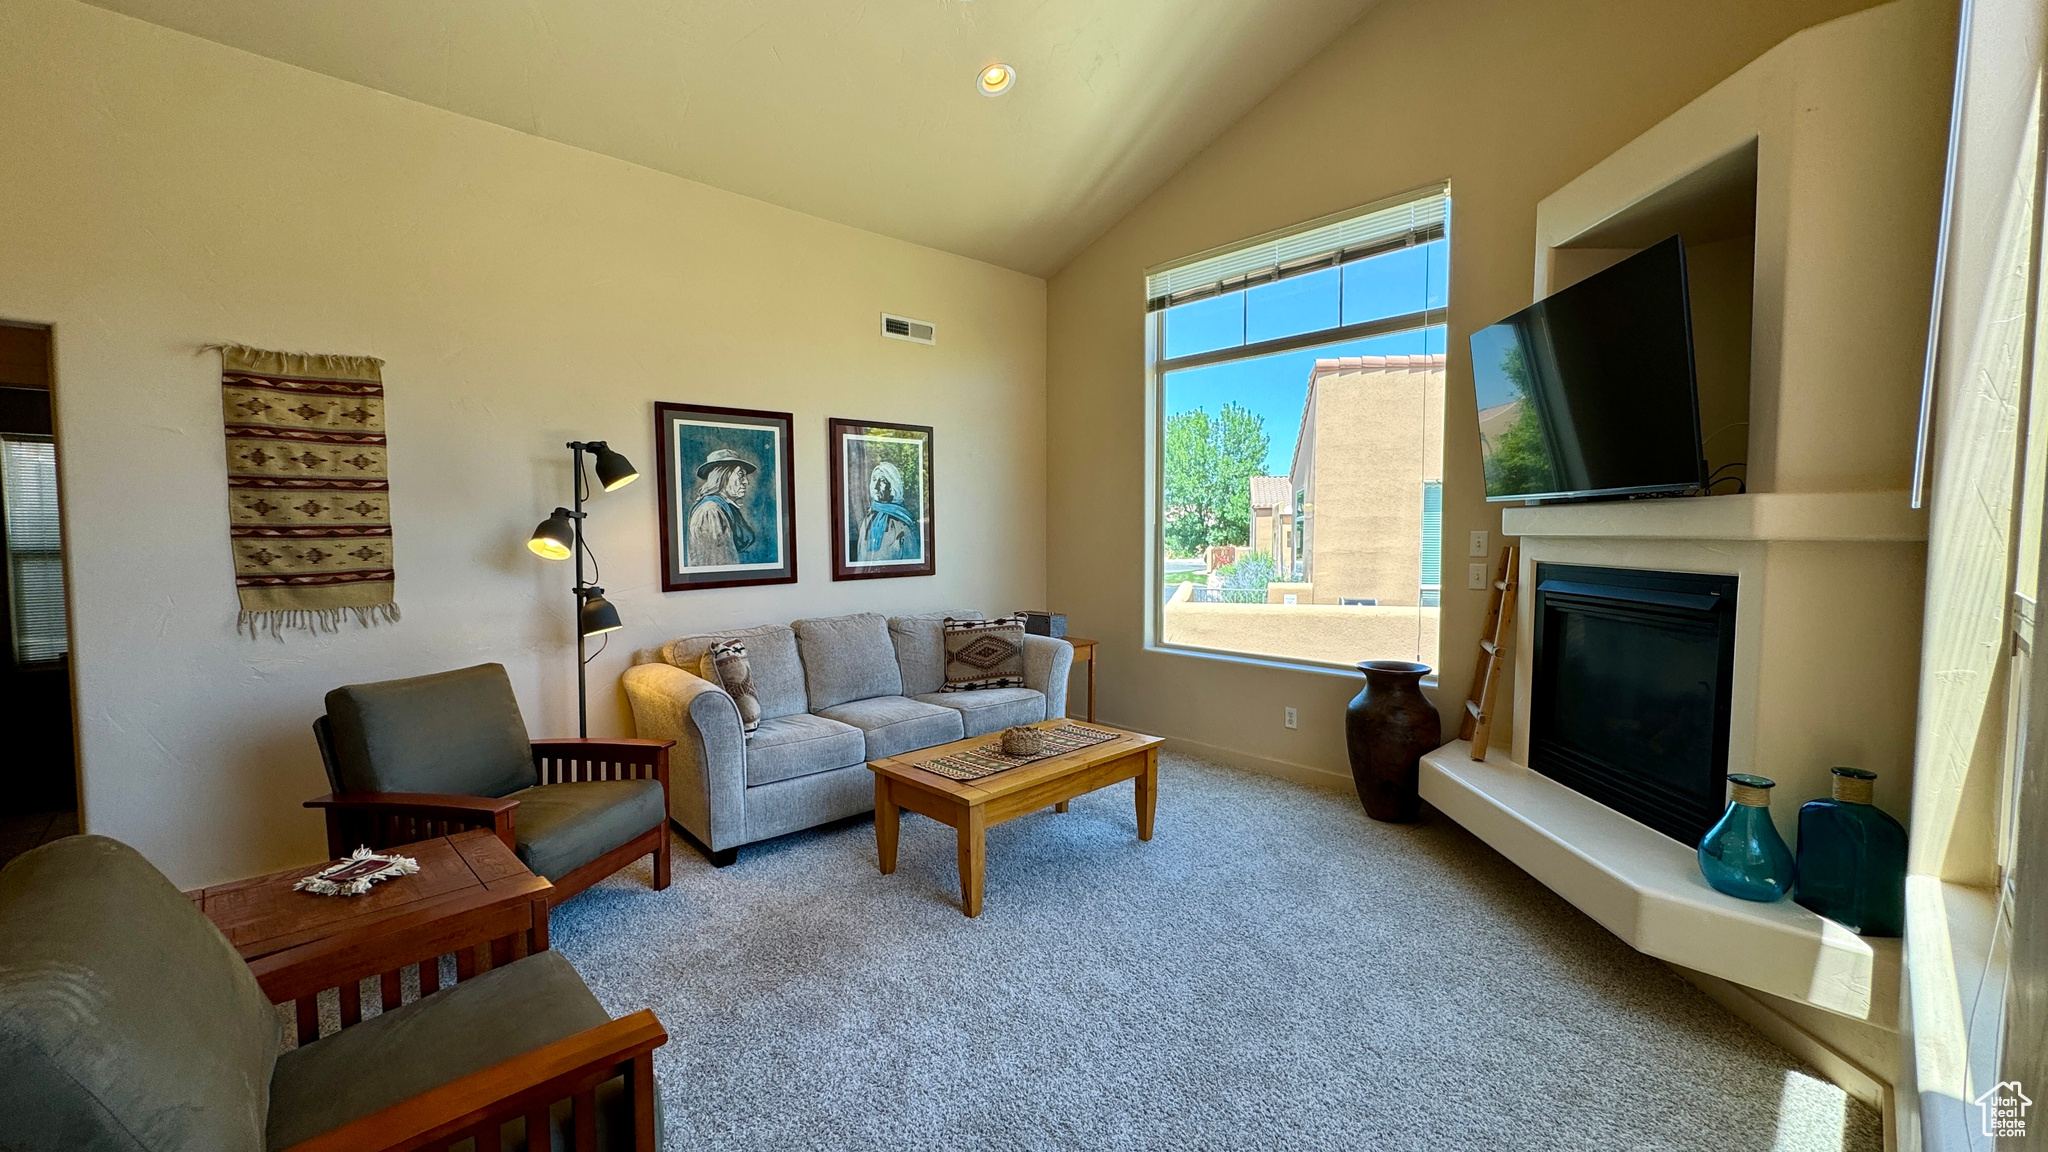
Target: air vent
[{"x": 904, "y": 328}]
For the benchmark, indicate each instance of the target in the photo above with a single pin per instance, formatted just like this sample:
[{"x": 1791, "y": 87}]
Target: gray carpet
[{"x": 1272, "y": 971}]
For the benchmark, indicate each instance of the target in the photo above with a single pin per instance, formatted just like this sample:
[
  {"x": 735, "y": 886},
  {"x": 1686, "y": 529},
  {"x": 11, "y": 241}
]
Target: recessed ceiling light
[{"x": 996, "y": 79}]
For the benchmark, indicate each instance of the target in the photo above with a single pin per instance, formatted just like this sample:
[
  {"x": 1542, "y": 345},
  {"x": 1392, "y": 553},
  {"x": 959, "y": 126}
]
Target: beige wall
[
  {"x": 1327, "y": 632},
  {"x": 163, "y": 192},
  {"x": 1496, "y": 97}
]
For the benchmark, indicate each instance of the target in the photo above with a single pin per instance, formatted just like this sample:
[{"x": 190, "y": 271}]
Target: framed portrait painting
[
  {"x": 881, "y": 499},
  {"x": 728, "y": 509}
]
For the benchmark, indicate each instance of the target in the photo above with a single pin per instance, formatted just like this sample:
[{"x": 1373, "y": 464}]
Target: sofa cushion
[
  {"x": 457, "y": 732},
  {"x": 725, "y": 664},
  {"x": 921, "y": 649},
  {"x": 790, "y": 746},
  {"x": 559, "y": 828},
  {"x": 847, "y": 658},
  {"x": 126, "y": 1019},
  {"x": 987, "y": 710},
  {"x": 399, "y": 1054},
  {"x": 897, "y": 724},
  {"x": 771, "y": 657},
  {"x": 984, "y": 654}
]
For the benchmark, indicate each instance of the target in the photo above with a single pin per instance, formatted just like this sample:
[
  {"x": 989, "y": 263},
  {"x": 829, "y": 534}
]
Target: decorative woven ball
[{"x": 1023, "y": 741}]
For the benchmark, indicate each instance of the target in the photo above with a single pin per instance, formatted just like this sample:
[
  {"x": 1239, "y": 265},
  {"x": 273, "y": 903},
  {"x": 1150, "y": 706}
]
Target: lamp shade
[
  {"x": 613, "y": 470},
  {"x": 598, "y": 614},
  {"x": 555, "y": 537}
]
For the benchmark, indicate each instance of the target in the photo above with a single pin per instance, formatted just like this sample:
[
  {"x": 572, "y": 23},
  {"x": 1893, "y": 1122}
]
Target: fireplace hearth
[{"x": 1631, "y": 693}]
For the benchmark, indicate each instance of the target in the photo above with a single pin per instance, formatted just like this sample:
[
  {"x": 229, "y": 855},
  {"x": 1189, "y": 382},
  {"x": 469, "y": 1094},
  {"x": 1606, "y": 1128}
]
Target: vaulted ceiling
[{"x": 858, "y": 111}]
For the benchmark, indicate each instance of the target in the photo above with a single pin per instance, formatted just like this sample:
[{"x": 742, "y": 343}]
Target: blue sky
[{"x": 1274, "y": 387}]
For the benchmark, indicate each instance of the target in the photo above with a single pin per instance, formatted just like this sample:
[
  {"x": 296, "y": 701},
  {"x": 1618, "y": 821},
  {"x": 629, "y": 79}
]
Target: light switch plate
[
  {"x": 1478, "y": 546},
  {"x": 1475, "y": 577}
]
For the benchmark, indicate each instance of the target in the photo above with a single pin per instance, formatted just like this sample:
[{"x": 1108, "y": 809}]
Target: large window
[
  {"x": 35, "y": 547},
  {"x": 1299, "y": 379}
]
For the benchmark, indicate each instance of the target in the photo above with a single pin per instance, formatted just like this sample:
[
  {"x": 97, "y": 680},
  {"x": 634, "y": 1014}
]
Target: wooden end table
[
  {"x": 471, "y": 895},
  {"x": 972, "y": 806},
  {"x": 1085, "y": 650}
]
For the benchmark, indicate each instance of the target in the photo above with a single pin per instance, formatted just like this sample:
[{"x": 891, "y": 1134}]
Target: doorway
[{"x": 39, "y": 781}]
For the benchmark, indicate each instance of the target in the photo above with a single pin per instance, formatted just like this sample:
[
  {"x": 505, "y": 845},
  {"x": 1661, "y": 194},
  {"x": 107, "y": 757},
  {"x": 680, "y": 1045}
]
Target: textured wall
[{"x": 163, "y": 192}]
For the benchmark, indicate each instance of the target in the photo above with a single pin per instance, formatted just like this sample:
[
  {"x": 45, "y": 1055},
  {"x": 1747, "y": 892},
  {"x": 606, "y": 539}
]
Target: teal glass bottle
[
  {"x": 1852, "y": 858},
  {"x": 1743, "y": 855}
]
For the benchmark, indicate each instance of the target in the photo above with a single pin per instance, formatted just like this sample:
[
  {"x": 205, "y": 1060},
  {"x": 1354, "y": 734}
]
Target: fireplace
[{"x": 1630, "y": 698}]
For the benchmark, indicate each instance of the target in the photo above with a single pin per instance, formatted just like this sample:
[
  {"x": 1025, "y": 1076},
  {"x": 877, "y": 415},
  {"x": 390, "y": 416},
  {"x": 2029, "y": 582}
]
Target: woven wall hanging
[{"x": 309, "y": 497}]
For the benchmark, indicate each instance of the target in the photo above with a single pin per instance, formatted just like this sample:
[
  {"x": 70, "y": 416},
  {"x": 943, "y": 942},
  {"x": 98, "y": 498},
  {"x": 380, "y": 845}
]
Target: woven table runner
[
  {"x": 309, "y": 497},
  {"x": 989, "y": 759}
]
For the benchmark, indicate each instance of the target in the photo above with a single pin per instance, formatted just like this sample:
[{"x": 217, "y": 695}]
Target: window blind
[
  {"x": 35, "y": 547},
  {"x": 1432, "y": 541},
  {"x": 1397, "y": 222}
]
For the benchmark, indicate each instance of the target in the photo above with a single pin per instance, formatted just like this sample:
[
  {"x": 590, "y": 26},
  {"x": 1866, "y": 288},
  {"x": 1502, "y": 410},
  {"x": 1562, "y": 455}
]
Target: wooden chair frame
[
  {"x": 476, "y": 1106},
  {"x": 388, "y": 819}
]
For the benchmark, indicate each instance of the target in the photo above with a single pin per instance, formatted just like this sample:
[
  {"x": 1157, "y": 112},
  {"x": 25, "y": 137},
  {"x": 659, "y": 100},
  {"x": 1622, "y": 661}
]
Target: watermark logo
[{"x": 2004, "y": 1109}]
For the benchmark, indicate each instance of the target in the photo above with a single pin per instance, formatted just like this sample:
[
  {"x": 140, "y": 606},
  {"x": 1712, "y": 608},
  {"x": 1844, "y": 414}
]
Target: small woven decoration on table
[
  {"x": 353, "y": 876},
  {"x": 989, "y": 759}
]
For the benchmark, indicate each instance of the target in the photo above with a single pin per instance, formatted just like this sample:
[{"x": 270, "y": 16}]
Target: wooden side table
[
  {"x": 471, "y": 895},
  {"x": 1085, "y": 650}
]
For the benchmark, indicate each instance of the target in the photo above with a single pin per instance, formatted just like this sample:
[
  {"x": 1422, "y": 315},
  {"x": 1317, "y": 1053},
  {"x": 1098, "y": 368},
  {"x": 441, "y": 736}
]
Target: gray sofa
[{"x": 835, "y": 693}]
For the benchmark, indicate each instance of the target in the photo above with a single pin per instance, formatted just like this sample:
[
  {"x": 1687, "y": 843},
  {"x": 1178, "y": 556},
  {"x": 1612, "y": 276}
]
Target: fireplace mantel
[{"x": 1770, "y": 516}]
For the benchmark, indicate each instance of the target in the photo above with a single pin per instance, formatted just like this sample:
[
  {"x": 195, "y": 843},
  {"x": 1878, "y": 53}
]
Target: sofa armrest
[
  {"x": 708, "y": 765},
  {"x": 387, "y": 819},
  {"x": 1047, "y": 661},
  {"x": 524, "y": 1086}
]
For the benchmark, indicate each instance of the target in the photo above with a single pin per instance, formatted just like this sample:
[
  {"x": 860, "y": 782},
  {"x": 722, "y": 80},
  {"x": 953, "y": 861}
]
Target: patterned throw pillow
[
  {"x": 984, "y": 654},
  {"x": 725, "y": 665}
]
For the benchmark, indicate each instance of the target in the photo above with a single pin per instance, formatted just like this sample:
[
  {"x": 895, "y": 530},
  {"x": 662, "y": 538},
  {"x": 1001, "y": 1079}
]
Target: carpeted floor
[{"x": 1272, "y": 971}]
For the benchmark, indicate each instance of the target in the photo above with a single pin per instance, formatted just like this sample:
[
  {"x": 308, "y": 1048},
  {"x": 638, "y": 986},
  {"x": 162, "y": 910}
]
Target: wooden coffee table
[
  {"x": 470, "y": 888},
  {"x": 972, "y": 806}
]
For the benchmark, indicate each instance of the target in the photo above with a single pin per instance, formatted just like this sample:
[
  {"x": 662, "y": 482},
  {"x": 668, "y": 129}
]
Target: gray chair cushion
[
  {"x": 847, "y": 658},
  {"x": 127, "y": 1021},
  {"x": 791, "y": 746},
  {"x": 771, "y": 655},
  {"x": 921, "y": 649},
  {"x": 987, "y": 710},
  {"x": 456, "y": 732},
  {"x": 559, "y": 828},
  {"x": 896, "y": 724},
  {"x": 420, "y": 1046}
]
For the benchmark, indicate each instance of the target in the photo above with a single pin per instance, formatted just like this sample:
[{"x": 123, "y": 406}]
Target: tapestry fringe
[{"x": 280, "y": 621}]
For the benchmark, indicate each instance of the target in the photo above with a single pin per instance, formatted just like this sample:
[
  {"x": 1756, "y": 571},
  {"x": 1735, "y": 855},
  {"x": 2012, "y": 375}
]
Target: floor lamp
[{"x": 560, "y": 537}]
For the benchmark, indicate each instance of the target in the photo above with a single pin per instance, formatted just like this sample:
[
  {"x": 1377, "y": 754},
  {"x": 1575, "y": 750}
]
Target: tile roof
[
  {"x": 1272, "y": 492},
  {"x": 1433, "y": 361}
]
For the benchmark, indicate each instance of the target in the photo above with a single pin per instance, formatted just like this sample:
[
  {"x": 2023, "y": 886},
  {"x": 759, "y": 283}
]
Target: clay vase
[{"x": 1388, "y": 727}]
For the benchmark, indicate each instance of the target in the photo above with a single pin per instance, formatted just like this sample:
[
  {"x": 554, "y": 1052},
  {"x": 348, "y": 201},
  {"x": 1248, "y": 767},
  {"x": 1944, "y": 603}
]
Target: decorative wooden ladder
[{"x": 1493, "y": 642}]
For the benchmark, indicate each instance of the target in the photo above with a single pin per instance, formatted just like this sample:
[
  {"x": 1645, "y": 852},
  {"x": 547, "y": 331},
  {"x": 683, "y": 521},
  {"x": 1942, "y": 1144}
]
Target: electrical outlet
[
  {"x": 1475, "y": 577},
  {"x": 1290, "y": 718},
  {"x": 1478, "y": 546}
]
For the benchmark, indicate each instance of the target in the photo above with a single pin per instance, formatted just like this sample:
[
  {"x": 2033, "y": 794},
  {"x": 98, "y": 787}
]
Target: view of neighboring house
[
  {"x": 1272, "y": 520},
  {"x": 1367, "y": 482}
]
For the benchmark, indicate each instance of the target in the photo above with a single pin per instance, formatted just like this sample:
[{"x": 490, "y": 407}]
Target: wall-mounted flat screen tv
[{"x": 1590, "y": 393}]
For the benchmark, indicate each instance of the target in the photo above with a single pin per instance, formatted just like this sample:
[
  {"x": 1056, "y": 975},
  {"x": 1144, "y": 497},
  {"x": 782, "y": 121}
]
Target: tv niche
[{"x": 1591, "y": 392}]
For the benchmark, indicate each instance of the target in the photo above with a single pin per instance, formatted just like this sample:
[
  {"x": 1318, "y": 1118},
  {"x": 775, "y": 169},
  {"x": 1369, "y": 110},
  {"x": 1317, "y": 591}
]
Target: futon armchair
[
  {"x": 412, "y": 759},
  {"x": 131, "y": 1024}
]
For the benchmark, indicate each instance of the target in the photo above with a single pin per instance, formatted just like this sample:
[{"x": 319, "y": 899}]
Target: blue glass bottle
[
  {"x": 1852, "y": 858},
  {"x": 1743, "y": 855}
]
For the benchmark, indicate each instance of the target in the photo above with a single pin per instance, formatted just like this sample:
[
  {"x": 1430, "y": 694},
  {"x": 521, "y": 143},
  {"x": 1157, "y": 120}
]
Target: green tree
[
  {"x": 1518, "y": 462},
  {"x": 1209, "y": 465}
]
